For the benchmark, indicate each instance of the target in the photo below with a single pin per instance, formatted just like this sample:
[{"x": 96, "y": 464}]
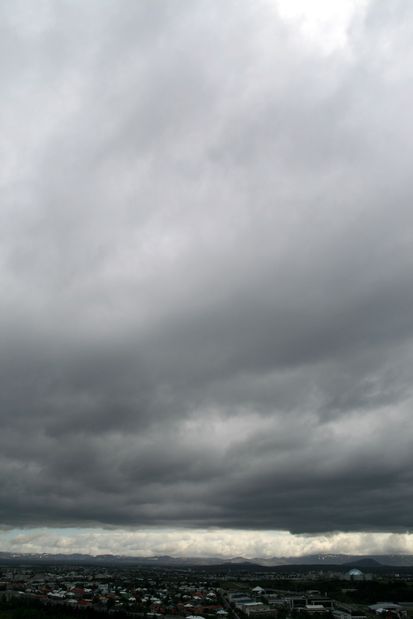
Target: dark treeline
[{"x": 20, "y": 608}]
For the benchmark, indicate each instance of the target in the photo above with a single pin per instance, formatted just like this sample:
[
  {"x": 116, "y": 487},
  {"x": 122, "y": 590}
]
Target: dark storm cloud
[{"x": 206, "y": 268}]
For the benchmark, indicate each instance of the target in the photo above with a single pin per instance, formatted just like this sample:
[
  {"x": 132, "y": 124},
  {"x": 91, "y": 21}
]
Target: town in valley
[{"x": 230, "y": 591}]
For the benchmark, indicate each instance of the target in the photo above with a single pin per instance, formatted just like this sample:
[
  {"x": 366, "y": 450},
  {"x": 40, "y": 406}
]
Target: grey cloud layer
[{"x": 206, "y": 268}]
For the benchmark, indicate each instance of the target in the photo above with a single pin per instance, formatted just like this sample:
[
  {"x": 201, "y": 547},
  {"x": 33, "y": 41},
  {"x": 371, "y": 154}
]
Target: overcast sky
[{"x": 206, "y": 266}]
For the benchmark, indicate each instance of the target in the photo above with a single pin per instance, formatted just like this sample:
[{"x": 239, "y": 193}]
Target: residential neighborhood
[{"x": 204, "y": 593}]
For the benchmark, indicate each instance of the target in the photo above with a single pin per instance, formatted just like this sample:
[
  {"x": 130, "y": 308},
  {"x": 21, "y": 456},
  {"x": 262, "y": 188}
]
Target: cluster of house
[
  {"x": 121, "y": 590},
  {"x": 169, "y": 593}
]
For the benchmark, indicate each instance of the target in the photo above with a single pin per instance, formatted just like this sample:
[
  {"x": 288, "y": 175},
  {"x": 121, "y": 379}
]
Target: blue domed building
[{"x": 354, "y": 574}]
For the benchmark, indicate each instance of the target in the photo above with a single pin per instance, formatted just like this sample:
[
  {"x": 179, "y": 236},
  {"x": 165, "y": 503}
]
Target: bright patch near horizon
[{"x": 220, "y": 543}]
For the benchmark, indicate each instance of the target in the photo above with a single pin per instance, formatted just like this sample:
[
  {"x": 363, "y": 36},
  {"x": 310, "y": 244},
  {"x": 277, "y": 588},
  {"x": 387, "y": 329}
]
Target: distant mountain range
[{"x": 370, "y": 561}]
